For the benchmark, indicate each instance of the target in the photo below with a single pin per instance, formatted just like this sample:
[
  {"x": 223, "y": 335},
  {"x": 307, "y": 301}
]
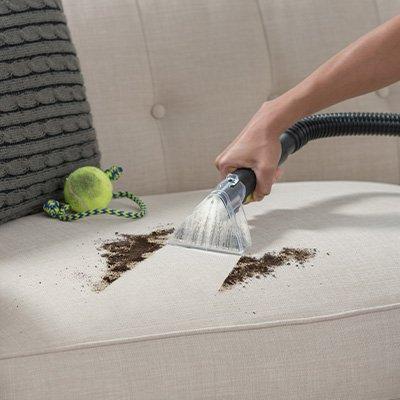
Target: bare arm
[{"x": 368, "y": 64}]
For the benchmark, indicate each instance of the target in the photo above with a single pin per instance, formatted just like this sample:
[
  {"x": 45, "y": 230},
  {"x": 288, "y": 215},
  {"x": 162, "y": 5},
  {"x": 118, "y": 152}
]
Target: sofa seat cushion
[{"x": 164, "y": 330}]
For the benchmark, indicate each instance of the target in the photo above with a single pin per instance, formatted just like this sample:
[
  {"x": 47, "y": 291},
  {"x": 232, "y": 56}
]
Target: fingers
[
  {"x": 266, "y": 177},
  {"x": 256, "y": 147},
  {"x": 224, "y": 166}
]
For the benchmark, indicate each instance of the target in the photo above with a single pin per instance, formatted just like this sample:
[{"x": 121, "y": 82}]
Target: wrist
[
  {"x": 285, "y": 110},
  {"x": 278, "y": 116}
]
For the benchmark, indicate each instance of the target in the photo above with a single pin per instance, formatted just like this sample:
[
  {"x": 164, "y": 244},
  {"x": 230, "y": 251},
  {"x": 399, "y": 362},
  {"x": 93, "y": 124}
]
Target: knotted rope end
[{"x": 114, "y": 172}]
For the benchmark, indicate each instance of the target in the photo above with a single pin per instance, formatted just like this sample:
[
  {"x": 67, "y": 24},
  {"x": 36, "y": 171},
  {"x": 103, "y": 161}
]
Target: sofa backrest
[{"x": 171, "y": 82}]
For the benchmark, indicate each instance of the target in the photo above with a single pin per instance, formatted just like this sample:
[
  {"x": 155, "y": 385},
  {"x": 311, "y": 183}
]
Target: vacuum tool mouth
[{"x": 218, "y": 223}]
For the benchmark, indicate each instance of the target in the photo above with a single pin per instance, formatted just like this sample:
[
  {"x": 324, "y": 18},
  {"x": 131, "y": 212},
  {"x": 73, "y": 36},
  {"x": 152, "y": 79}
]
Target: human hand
[{"x": 256, "y": 147}]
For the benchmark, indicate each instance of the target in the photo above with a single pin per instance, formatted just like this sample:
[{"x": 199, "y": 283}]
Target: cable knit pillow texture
[{"x": 45, "y": 124}]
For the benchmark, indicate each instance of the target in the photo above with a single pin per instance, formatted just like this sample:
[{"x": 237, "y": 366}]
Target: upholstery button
[
  {"x": 158, "y": 111},
  {"x": 383, "y": 93}
]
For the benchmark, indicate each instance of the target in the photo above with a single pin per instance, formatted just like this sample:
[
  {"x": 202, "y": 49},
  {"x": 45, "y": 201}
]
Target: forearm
[{"x": 370, "y": 63}]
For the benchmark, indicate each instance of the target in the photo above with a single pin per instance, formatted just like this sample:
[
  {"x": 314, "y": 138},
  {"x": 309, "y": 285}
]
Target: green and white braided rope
[{"x": 63, "y": 212}]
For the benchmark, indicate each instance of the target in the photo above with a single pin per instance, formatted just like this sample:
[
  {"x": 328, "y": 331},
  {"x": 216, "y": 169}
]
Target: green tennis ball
[{"x": 88, "y": 188}]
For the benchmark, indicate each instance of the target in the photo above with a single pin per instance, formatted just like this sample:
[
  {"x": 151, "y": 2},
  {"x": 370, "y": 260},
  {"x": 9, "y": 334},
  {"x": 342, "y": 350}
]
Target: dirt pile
[
  {"x": 123, "y": 253},
  {"x": 252, "y": 267}
]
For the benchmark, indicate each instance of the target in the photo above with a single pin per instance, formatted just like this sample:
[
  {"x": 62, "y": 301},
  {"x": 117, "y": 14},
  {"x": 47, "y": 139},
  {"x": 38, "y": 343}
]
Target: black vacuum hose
[
  {"x": 328, "y": 125},
  {"x": 337, "y": 124}
]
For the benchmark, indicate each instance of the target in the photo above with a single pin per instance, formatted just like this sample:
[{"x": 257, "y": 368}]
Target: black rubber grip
[
  {"x": 248, "y": 178},
  {"x": 327, "y": 125}
]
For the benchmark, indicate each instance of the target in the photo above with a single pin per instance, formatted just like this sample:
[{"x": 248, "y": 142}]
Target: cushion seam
[{"x": 205, "y": 331}]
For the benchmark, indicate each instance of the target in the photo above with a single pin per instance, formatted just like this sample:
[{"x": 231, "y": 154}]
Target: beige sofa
[{"x": 171, "y": 82}]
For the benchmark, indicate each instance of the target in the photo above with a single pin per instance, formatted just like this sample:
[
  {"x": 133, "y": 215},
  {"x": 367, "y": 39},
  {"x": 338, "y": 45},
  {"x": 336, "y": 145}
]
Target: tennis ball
[{"x": 88, "y": 188}]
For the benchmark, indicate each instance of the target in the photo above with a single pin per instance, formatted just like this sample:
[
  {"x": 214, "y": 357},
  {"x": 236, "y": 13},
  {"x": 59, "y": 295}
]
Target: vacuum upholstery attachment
[{"x": 219, "y": 223}]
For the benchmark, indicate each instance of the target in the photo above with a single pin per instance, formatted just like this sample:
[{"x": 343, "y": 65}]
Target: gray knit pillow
[{"x": 45, "y": 123}]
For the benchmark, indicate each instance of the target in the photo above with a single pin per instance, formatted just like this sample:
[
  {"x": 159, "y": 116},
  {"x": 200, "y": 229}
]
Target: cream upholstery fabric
[
  {"x": 163, "y": 331},
  {"x": 210, "y": 64},
  {"x": 171, "y": 82}
]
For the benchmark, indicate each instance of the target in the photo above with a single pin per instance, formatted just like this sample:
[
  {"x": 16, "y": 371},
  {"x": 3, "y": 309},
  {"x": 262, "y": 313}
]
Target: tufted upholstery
[{"x": 173, "y": 81}]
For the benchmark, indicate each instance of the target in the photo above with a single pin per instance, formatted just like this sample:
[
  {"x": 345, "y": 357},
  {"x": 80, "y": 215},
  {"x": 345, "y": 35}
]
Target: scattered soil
[
  {"x": 250, "y": 267},
  {"x": 123, "y": 253}
]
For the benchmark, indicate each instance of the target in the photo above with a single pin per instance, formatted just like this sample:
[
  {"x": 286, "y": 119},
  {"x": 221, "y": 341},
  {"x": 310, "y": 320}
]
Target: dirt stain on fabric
[
  {"x": 126, "y": 251},
  {"x": 251, "y": 267}
]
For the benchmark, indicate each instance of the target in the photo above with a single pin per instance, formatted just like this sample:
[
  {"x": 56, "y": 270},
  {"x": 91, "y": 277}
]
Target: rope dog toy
[{"x": 88, "y": 191}]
